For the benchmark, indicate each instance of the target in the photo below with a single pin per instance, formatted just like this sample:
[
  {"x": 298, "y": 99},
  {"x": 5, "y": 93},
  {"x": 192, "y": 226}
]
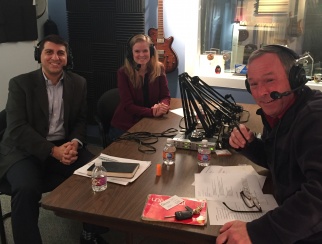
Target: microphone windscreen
[
  {"x": 138, "y": 67},
  {"x": 275, "y": 95}
]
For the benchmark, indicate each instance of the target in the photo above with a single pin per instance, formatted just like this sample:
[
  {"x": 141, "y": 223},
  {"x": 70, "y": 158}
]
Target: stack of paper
[
  {"x": 122, "y": 181},
  {"x": 220, "y": 184}
]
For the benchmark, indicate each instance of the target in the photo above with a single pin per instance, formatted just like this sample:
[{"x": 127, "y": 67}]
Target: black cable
[{"x": 145, "y": 140}]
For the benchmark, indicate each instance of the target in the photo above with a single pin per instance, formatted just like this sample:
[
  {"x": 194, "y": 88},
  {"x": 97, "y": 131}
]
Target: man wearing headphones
[
  {"x": 290, "y": 147},
  {"x": 142, "y": 85},
  {"x": 43, "y": 143}
]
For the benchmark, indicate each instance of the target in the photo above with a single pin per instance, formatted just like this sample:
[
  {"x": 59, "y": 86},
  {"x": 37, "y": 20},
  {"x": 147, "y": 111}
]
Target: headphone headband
[
  {"x": 129, "y": 54},
  {"x": 58, "y": 40},
  {"x": 296, "y": 76}
]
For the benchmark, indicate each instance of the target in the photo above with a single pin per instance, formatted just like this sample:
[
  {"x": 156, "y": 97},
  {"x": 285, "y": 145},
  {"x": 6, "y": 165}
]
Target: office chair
[{"x": 106, "y": 106}]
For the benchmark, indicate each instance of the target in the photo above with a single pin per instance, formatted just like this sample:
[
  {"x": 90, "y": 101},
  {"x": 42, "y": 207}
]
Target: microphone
[
  {"x": 277, "y": 95},
  {"x": 137, "y": 67}
]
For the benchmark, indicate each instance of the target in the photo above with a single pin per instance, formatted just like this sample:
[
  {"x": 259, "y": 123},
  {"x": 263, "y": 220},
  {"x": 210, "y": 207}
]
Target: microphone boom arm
[{"x": 219, "y": 115}]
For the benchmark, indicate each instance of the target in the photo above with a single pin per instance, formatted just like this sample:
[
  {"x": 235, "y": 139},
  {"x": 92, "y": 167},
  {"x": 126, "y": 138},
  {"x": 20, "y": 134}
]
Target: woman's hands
[{"x": 160, "y": 109}]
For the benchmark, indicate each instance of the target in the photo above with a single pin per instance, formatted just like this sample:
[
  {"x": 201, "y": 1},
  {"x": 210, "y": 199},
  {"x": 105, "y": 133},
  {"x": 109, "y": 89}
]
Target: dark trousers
[
  {"x": 114, "y": 133},
  {"x": 29, "y": 178}
]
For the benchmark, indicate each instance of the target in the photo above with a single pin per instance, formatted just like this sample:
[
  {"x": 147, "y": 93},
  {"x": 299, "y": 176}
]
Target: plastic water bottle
[
  {"x": 204, "y": 154},
  {"x": 98, "y": 177},
  {"x": 169, "y": 152}
]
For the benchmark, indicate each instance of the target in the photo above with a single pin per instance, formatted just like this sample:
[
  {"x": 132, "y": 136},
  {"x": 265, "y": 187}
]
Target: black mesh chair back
[{"x": 106, "y": 107}]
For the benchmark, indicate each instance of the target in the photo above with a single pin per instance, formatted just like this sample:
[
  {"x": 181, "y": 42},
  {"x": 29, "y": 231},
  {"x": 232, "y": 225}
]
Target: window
[{"x": 234, "y": 29}]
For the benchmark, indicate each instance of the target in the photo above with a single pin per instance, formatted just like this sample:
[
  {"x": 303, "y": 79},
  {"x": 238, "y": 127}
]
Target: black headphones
[
  {"x": 296, "y": 76},
  {"x": 129, "y": 54},
  {"x": 37, "y": 54}
]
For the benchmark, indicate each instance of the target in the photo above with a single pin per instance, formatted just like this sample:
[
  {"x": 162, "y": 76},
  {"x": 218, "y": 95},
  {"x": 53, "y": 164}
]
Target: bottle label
[
  {"x": 169, "y": 155},
  {"x": 204, "y": 157},
  {"x": 99, "y": 181}
]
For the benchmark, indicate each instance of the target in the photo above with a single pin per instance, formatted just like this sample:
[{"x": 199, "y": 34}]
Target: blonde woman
[{"x": 142, "y": 84}]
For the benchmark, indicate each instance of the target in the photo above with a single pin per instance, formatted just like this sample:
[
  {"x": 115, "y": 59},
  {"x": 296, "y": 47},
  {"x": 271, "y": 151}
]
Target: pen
[
  {"x": 237, "y": 127},
  {"x": 107, "y": 158}
]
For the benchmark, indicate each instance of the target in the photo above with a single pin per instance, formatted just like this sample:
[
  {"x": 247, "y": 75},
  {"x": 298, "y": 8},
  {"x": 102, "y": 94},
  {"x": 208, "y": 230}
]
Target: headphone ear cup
[
  {"x": 297, "y": 77},
  {"x": 129, "y": 54},
  {"x": 247, "y": 85},
  {"x": 70, "y": 61},
  {"x": 37, "y": 54}
]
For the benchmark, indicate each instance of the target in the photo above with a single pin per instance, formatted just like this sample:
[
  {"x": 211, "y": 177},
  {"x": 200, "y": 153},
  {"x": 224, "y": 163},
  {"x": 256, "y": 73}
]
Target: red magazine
[{"x": 153, "y": 211}]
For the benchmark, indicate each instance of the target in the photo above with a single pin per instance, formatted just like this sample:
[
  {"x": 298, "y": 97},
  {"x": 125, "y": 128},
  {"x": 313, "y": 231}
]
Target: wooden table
[{"x": 120, "y": 207}]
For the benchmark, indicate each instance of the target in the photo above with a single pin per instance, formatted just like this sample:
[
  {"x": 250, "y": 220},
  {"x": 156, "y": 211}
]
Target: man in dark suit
[{"x": 43, "y": 141}]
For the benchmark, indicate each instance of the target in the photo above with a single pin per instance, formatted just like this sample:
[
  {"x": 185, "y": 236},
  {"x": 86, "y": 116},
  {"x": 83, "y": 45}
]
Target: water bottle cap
[
  {"x": 98, "y": 163},
  {"x": 169, "y": 140}
]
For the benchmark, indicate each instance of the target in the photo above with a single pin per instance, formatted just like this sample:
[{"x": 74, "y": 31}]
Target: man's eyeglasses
[{"x": 249, "y": 201}]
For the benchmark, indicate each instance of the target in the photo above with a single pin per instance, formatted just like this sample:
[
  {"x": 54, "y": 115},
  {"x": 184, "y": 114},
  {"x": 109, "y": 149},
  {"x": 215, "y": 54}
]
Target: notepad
[
  {"x": 154, "y": 211},
  {"x": 117, "y": 169}
]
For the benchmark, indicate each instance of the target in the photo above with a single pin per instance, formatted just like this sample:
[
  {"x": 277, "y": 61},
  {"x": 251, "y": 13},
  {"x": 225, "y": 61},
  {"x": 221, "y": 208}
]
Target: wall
[
  {"x": 177, "y": 16},
  {"x": 180, "y": 20},
  {"x": 17, "y": 58},
  {"x": 58, "y": 14}
]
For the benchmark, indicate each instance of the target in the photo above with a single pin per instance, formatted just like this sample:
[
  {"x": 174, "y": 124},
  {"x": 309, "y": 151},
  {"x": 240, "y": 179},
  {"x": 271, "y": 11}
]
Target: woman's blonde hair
[{"x": 154, "y": 67}]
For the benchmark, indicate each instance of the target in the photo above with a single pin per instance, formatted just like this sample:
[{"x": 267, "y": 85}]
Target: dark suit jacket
[{"x": 28, "y": 116}]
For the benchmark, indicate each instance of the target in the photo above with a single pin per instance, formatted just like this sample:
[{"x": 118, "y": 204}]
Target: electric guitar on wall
[
  {"x": 167, "y": 55},
  {"x": 294, "y": 28}
]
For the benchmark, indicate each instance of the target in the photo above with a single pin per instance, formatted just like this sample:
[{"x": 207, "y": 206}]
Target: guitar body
[
  {"x": 294, "y": 28},
  {"x": 167, "y": 55}
]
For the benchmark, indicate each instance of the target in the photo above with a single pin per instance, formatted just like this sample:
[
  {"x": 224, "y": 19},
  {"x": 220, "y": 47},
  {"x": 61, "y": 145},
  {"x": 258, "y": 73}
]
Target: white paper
[
  {"x": 171, "y": 202},
  {"x": 178, "y": 111},
  {"x": 122, "y": 181},
  {"x": 225, "y": 187},
  {"x": 220, "y": 214},
  {"x": 240, "y": 169},
  {"x": 220, "y": 184}
]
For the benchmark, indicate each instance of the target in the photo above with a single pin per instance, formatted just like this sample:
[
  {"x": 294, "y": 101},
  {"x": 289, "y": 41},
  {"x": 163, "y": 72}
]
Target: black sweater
[{"x": 292, "y": 151}]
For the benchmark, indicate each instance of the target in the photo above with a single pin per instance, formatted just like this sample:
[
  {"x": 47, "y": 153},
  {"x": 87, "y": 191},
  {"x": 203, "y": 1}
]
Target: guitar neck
[
  {"x": 166, "y": 55},
  {"x": 160, "y": 21},
  {"x": 296, "y": 8}
]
